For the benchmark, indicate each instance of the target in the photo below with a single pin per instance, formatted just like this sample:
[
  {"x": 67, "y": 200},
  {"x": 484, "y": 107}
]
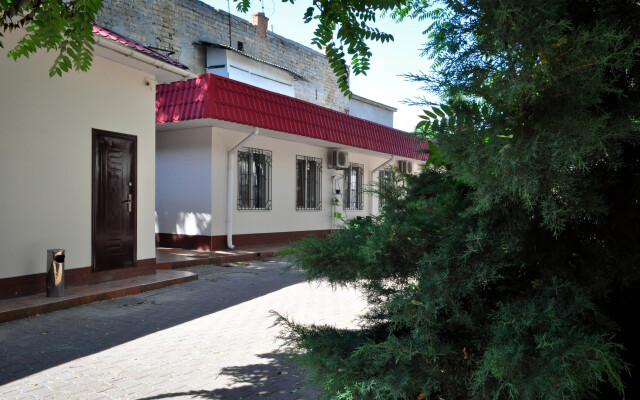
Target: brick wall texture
[{"x": 179, "y": 24}]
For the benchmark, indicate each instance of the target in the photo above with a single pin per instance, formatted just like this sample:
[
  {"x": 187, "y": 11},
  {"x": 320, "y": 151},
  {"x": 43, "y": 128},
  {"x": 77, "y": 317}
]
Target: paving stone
[{"x": 207, "y": 339}]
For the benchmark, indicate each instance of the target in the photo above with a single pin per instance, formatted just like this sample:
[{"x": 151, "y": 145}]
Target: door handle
[{"x": 128, "y": 201}]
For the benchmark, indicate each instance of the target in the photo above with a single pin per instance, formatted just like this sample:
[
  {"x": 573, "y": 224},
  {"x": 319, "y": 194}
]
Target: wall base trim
[
  {"x": 200, "y": 242},
  {"x": 27, "y": 285},
  {"x": 195, "y": 242}
]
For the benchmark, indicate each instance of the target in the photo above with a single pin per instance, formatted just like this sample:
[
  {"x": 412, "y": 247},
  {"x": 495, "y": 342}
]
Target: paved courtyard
[{"x": 211, "y": 338}]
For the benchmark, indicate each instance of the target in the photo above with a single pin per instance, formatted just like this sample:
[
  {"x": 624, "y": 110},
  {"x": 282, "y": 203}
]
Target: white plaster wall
[
  {"x": 259, "y": 74},
  {"x": 45, "y": 156},
  {"x": 183, "y": 182},
  {"x": 266, "y": 82},
  {"x": 283, "y": 216},
  {"x": 192, "y": 180},
  {"x": 244, "y": 69},
  {"x": 370, "y": 112}
]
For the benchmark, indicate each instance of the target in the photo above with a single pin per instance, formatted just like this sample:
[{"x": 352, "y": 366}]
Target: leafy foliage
[
  {"x": 343, "y": 29},
  {"x": 547, "y": 83},
  {"x": 508, "y": 270},
  {"x": 343, "y": 26},
  {"x": 444, "y": 321},
  {"x": 64, "y": 26}
]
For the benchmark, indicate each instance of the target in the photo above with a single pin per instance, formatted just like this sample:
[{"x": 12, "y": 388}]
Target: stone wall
[{"x": 178, "y": 25}]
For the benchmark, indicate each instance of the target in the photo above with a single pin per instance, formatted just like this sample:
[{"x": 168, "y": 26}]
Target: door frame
[{"x": 95, "y": 134}]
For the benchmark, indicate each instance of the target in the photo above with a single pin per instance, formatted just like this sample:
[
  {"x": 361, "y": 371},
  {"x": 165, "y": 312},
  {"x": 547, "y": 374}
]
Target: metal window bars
[
  {"x": 353, "y": 182},
  {"x": 308, "y": 183},
  {"x": 385, "y": 182},
  {"x": 254, "y": 179}
]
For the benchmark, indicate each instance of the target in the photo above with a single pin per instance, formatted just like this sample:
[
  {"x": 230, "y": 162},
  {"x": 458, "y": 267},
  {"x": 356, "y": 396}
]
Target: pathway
[{"x": 211, "y": 338}]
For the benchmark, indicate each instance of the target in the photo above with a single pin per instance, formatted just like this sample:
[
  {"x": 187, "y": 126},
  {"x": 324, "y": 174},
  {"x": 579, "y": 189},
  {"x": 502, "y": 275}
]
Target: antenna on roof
[
  {"x": 263, "y": 6},
  {"x": 229, "y": 9}
]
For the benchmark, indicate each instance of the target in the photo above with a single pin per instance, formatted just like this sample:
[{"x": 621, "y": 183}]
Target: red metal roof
[
  {"x": 216, "y": 97},
  {"x": 108, "y": 33}
]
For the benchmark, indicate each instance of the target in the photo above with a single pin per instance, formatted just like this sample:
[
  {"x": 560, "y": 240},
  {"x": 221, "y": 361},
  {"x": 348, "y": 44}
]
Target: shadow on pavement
[
  {"x": 279, "y": 379},
  {"x": 34, "y": 344}
]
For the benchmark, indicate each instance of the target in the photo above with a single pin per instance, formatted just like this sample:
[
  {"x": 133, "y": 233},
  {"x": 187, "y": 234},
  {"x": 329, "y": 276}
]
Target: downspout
[
  {"x": 230, "y": 155},
  {"x": 373, "y": 171}
]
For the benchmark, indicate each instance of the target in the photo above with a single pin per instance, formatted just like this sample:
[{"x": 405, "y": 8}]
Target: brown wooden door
[{"x": 114, "y": 200}]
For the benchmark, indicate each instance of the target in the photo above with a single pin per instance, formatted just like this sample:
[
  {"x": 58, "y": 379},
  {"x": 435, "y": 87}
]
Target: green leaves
[
  {"x": 438, "y": 112},
  {"x": 500, "y": 273},
  {"x": 446, "y": 109},
  {"x": 429, "y": 115},
  {"x": 343, "y": 29},
  {"x": 243, "y": 5},
  {"x": 405, "y": 342},
  {"x": 441, "y": 119},
  {"x": 537, "y": 339},
  {"x": 59, "y": 25}
]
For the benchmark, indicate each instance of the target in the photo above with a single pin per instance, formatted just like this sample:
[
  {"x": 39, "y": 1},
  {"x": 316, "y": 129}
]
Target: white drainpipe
[
  {"x": 230, "y": 186},
  {"x": 371, "y": 181}
]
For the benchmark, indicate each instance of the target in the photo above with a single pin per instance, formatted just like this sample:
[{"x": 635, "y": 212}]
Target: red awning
[{"x": 216, "y": 97}]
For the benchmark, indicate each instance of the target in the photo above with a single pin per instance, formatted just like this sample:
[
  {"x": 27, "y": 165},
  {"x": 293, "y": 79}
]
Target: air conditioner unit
[
  {"x": 338, "y": 159},
  {"x": 406, "y": 167}
]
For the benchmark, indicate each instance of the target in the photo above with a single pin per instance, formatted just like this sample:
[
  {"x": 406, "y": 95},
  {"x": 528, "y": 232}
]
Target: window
[
  {"x": 308, "y": 183},
  {"x": 353, "y": 199},
  {"x": 385, "y": 181},
  {"x": 254, "y": 179}
]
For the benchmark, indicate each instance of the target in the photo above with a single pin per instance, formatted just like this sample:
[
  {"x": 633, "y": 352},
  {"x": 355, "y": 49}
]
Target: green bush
[{"x": 510, "y": 270}]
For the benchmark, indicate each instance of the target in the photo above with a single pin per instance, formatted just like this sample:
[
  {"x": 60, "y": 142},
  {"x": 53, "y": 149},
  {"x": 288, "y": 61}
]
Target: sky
[{"x": 383, "y": 82}]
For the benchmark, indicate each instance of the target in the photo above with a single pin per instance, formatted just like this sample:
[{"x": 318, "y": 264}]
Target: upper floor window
[
  {"x": 308, "y": 183},
  {"x": 353, "y": 187},
  {"x": 254, "y": 179}
]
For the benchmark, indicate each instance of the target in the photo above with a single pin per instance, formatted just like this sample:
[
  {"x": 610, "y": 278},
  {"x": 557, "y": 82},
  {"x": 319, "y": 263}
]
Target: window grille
[
  {"x": 353, "y": 196},
  {"x": 385, "y": 181},
  {"x": 254, "y": 179},
  {"x": 308, "y": 183}
]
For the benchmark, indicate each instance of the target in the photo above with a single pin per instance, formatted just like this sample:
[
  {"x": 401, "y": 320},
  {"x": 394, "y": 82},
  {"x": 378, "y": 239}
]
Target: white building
[
  {"x": 90, "y": 166},
  {"x": 238, "y": 165},
  {"x": 65, "y": 139}
]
